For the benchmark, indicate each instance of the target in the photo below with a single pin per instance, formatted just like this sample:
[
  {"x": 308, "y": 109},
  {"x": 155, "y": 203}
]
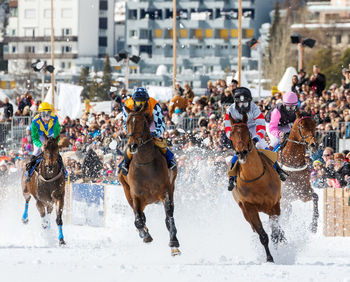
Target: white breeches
[
  {"x": 37, "y": 150},
  {"x": 273, "y": 139}
]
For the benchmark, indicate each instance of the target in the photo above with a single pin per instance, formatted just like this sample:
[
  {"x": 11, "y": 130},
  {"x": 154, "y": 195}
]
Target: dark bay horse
[
  {"x": 292, "y": 160},
  {"x": 149, "y": 180},
  {"x": 258, "y": 185},
  {"x": 47, "y": 186}
]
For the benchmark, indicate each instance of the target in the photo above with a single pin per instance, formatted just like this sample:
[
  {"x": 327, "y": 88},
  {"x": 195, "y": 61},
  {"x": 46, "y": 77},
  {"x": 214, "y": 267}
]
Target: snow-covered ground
[{"x": 217, "y": 244}]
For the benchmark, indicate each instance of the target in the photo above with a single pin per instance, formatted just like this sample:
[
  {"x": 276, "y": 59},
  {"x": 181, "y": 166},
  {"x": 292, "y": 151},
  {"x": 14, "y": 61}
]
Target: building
[
  {"x": 331, "y": 18},
  {"x": 207, "y": 46},
  {"x": 83, "y": 32}
]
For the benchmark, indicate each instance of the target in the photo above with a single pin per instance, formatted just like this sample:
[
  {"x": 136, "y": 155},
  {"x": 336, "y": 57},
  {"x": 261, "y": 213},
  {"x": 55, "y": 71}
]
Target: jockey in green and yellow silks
[
  {"x": 44, "y": 123},
  {"x": 139, "y": 98}
]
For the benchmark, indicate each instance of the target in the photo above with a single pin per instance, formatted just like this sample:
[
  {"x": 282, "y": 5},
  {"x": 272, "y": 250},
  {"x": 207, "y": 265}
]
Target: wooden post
[
  {"x": 174, "y": 45},
  {"x": 127, "y": 73},
  {"x": 300, "y": 56},
  {"x": 52, "y": 56},
  {"x": 239, "y": 41}
]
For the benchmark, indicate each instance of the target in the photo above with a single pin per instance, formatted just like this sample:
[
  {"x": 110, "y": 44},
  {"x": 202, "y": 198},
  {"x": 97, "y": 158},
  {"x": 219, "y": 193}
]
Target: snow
[{"x": 217, "y": 244}]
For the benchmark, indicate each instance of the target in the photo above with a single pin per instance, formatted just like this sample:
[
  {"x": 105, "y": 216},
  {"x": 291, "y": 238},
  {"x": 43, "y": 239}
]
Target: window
[
  {"x": 47, "y": 49},
  {"x": 132, "y": 15},
  {"x": 158, "y": 33},
  {"x": 168, "y": 14},
  {"x": 29, "y": 13},
  {"x": 103, "y": 5},
  {"x": 29, "y": 49},
  {"x": 13, "y": 49},
  {"x": 63, "y": 65},
  {"x": 133, "y": 33},
  {"x": 13, "y": 32},
  {"x": 14, "y": 12},
  {"x": 338, "y": 39},
  {"x": 146, "y": 49},
  {"x": 145, "y": 34},
  {"x": 69, "y": 65},
  {"x": 248, "y": 13},
  {"x": 66, "y": 31},
  {"x": 102, "y": 23},
  {"x": 102, "y": 41},
  {"x": 66, "y": 49},
  {"x": 29, "y": 32},
  {"x": 67, "y": 13}
]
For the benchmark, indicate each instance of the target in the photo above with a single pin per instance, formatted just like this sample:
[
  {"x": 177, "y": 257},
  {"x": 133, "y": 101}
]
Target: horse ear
[
  {"x": 232, "y": 120},
  {"x": 56, "y": 139},
  {"x": 45, "y": 137},
  {"x": 149, "y": 118},
  {"x": 245, "y": 118},
  {"x": 298, "y": 113},
  {"x": 143, "y": 108},
  {"x": 127, "y": 109}
]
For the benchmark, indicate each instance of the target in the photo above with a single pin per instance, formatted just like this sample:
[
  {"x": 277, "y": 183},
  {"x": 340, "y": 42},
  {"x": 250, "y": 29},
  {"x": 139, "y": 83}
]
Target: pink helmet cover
[{"x": 290, "y": 98}]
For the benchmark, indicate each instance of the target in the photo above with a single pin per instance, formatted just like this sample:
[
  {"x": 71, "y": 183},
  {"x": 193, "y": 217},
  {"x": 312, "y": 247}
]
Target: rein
[
  {"x": 255, "y": 179},
  {"x": 51, "y": 179}
]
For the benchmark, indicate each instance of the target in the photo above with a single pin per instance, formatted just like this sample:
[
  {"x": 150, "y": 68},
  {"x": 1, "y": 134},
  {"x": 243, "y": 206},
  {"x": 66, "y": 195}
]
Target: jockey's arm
[
  {"x": 158, "y": 119},
  {"x": 36, "y": 136},
  {"x": 125, "y": 117},
  {"x": 56, "y": 130},
  {"x": 227, "y": 124},
  {"x": 259, "y": 120},
  {"x": 274, "y": 121}
]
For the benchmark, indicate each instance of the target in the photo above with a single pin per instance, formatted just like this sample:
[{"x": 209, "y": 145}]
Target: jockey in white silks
[{"x": 256, "y": 124}]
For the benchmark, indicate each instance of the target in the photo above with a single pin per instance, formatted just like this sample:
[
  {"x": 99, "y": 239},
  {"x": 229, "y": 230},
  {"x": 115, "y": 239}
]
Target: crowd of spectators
[{"x": 195, "y": 125}]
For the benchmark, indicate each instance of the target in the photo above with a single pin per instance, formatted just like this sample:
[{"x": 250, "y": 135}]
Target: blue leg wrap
[
  {"x": 60, "y": 232},
  {"x": 25, "y": 213},
  {"x": 65, "y": 172},
  {"x": 169, "y": 156}
]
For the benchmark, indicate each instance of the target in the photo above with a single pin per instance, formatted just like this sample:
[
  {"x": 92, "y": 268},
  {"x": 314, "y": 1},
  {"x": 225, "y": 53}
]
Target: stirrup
[
  {"x": 232, "y": 183},
  {"x": 28, "y": 177},
  {"x": 172, "y": 165},
  {"x": 124, "y": 169}
]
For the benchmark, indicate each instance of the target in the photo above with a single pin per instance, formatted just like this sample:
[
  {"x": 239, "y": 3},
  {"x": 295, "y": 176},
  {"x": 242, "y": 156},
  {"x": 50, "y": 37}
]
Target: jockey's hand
[
  {"x": 255, "y": 140},
  {"x": 154, "y": 134},
  {"x": 51, "y": 135},
  {"x": 281, "y": 135}
]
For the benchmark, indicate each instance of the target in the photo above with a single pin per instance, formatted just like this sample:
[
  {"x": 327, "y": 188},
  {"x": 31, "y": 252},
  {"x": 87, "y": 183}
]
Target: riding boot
[
  {"x": 170, "y": 159},
  {"x": 29, "y": 167},
  {"x": 232, "y": 181},
  {"x": 283, "y": 175},
  {"x": 124, "y": 165},
  {"x": 61, "y": 164}
]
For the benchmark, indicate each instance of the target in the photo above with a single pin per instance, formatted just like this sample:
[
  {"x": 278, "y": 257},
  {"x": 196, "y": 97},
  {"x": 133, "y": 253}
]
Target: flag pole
[
  {"x": 52, "y": 57},
  {"x": 239, "y": 41},
  {"x": 174, "y": 45}
]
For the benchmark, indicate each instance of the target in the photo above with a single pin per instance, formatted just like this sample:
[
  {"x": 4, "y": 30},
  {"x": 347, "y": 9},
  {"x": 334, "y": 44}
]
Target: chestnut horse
[
  {"x": 292, "y": 160},
  {"x": 149, "y": 180},
  {"x": 258, "y": 185},
  {"x": 47, "y": 186}
]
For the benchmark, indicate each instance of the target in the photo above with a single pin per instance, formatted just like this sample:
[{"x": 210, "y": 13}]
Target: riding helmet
[
  {"x": 242, "y": 97},
  {"x": 45, "y": 106},
  {"x": 140, "y": 94}
]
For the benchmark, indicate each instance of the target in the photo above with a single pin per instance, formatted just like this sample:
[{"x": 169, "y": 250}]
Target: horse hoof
[
  {"x": 313, "y": 228},
  {"x": 148, "y": 239},
  {"x": 175, "y": 252},
  {"x": 270, "y": 259},
  {"x": 25, "y": 220},
  {"x": 62, "y": 242}
]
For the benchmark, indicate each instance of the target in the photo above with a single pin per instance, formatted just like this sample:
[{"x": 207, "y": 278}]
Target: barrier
[{"x": 336, "y": 212}]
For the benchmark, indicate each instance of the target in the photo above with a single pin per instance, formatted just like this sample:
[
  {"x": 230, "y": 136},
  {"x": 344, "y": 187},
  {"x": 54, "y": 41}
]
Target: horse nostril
[{"x": 133, "y": 147}]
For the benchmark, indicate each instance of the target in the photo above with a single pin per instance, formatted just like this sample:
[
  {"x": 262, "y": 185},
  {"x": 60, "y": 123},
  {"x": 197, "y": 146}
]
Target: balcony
[
  {"x": 8, "y": 39},
  {"x": 28, "y": 56}
]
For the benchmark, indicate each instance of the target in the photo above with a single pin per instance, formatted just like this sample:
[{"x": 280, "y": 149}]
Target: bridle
[
  {"x": 302, "y": 137},
  {"x": 140, "y": 141}
]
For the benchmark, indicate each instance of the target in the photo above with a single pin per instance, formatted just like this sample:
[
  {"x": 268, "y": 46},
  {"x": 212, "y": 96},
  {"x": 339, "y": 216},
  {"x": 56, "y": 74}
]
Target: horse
[
  {"x": 258, "y": 185},
  {"x": 47, "y": 186},
  {"x": 292, "y": 160},
  {"x": 149, "y": 180}
]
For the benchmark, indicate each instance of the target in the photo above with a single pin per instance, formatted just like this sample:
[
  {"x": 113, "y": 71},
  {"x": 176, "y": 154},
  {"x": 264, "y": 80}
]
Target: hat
[
  {"x": 274, "y": 90},
  {"x": 212, "y": 116},
  {"x": 177, "y": 111},
  {"x": 316, "y": 162}
]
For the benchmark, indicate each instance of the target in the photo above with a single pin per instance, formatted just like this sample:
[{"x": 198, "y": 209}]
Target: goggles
[
  {"x": 45, "y": 114},
  {"x": 291, "y": 107},
  {"x": 139, "y": 103},
  {"x": 243, "y": 104}
]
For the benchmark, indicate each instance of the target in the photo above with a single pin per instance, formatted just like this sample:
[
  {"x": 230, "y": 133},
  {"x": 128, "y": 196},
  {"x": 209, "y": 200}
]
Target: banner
[{"x": 160, "y": 93}]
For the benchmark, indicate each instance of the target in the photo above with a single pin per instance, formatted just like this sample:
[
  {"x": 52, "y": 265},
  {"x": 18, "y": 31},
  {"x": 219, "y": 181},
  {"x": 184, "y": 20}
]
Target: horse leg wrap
[
  {"x": 25, "y": 213},
  {"x": 60, "y": 233},
  {"x": 59, "y": 221},
  {"x": 139, "y": 223}
]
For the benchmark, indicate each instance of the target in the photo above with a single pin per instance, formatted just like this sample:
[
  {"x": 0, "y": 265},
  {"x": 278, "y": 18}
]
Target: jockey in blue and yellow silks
[
  {"x": 139, "y": 98},
  {"x": 46, "y": 122}
]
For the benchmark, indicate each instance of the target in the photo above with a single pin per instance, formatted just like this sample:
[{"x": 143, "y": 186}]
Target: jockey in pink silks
[{"x": 280, "y": 119}]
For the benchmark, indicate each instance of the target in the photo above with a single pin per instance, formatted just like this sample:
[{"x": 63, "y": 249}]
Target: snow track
[{"x": 217, "y": 244}]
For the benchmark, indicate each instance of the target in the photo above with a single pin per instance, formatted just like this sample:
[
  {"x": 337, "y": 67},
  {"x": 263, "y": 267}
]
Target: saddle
[{"x": 268, "y": 155}]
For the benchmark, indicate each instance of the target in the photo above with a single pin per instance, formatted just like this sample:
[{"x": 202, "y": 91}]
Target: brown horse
[
  {"x": 149, "y": 180},
  {"x": 292, "y": 160},
  {"x": 258, "y": 185},
  {"x": 47, "y": 186}
]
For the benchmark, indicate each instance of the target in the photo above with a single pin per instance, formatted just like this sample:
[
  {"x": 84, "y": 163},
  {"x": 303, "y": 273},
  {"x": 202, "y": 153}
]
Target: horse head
[
  {"x": 306, "y": 128},
  {"x": 50, "y": 151},
  {"x": 241, "y": 138},
  {"x": 138, "y": 126}
]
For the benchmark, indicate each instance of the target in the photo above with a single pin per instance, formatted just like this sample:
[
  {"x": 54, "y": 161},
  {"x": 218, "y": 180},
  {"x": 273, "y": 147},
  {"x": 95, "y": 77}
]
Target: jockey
[
  {"x": 280, "y": 119},
  {"x": 46, "y": 122},
  {"x": 256, "y": 124},
  {"x": 139, "y": 98}
]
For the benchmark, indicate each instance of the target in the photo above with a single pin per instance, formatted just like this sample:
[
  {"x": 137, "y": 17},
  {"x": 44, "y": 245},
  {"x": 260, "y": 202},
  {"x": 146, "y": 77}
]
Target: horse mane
[{"x": 302, "y": 114}]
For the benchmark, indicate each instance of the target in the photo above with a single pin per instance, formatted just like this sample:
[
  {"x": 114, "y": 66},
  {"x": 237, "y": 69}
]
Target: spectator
[
  {"x": 177, "y": 118},
  {"x": 320, "y": 80},
  {"x": 319, "y": 180},
  {"x": 295, "y": 84},
  {"x": 177, "y": 102},
  {"x": 188, "y": 93},
  {"x": 8, "y": 109},
  {"x": 342, "y": 169},
  {"x": 227, "y": 98}
]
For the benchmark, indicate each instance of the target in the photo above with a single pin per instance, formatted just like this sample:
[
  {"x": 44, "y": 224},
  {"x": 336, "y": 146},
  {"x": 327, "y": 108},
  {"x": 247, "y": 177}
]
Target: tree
[
  {"x": 94, "y": 88},
  {"x": 84, "y": 81},
  {"x": 106, "y": 79}
]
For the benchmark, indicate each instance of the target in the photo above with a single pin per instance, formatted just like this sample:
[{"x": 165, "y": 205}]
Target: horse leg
[
  {"x": 315, "y": 214},
  {"x": 140, "y": 222},
  {"x": 170, "y": 224},
  {"x": 59, "y": 210},
  {"x": 277, "y": 234},
  {"x": 41, "y": 208},
  {"x": 26, "y": 206},
  {"x": 254, "y": 220}
]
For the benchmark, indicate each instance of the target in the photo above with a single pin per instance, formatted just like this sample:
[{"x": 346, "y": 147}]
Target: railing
[{"x": 12, "y": 132}]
